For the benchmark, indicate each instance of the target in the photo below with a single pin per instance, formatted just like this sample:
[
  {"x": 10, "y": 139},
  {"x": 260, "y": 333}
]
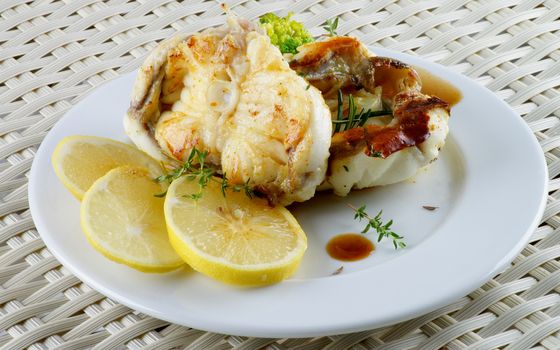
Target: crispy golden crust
[
  {"x": 333, "y": 64},
  {"x": 321, "y": 51},
  {"x": 145, "y": 106},
  {"x": 159, "y": 82},
  {"x": 344, "y": 63},
  {"x": 147, "y": 87}
]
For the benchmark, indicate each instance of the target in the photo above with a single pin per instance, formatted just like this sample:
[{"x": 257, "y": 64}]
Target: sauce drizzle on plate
[
  {"x": 349, "y": 247},
  {"x": 435, "y": 86}
]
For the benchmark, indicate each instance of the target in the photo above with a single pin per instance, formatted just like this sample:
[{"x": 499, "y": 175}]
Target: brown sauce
[
  {"x": 349, "y": 247},
  {"x": 435, "y": 86}
]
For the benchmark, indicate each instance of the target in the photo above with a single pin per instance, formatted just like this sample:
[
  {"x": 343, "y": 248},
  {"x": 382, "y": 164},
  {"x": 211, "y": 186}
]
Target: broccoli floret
[{"x": 285, "y": 33}]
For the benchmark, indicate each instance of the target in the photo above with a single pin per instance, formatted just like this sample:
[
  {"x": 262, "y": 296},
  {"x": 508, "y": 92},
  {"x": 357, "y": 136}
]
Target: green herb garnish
[
  {"x": 383, "y": 230},
  {"x": 195, "y": 168},
  {"x": 225, "y": 185},
  {"x": 353, "y": 119},
  {"x": 331, "y": 26}
]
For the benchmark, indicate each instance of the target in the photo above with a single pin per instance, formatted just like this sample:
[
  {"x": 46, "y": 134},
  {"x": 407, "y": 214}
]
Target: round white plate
[{"x": 489, "y": 185}]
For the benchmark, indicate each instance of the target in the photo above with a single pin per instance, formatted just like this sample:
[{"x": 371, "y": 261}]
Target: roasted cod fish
[
  {"x": 230, "y": 92},
  {"x": 267, "y": 122},
  {"x": 382, "y": 150}
]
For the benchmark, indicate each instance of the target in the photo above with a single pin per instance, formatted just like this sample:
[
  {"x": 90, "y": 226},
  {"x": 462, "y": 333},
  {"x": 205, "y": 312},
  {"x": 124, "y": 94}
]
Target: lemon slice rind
[
  {"x": 114, "y": 154},
  {"x": 220, "y": 268},
  {"x": 164, "y": 259}
]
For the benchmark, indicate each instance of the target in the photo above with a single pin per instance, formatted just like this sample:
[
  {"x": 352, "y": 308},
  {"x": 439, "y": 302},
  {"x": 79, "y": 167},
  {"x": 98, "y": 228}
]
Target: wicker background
[{"x": 52, "y": 53}]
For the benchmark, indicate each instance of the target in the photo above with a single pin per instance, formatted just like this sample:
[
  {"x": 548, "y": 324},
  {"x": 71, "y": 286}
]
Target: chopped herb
[
  {"x": 345, "y": 168},
  {"x": 376, "y": 154},
  {"x": 161, "y": 194},
  {"x": 331, "y": 26},
  {"x": 194, "y": 196},
  {"x": 245, "y": 187},
  {"x": 337, "y": 271},
  {"x": 383, "y": 230},
  {"x": 429, "y": 207},
  {"x": 308, "y": 86}
]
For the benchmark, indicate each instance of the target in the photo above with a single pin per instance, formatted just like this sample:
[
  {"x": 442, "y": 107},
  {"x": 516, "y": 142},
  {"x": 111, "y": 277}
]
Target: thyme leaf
[
  {"x": 196, "y": 168},
  {"x": 337, "y": 271},
  {"x": 353, "y": 118},
  {"x": 430, "y": 207},
  {"x": 331, "y": 26},
  {"x": 383, "y": 229}
]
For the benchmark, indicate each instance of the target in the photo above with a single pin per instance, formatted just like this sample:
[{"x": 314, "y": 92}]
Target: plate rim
[{"x": 309, "y": 331}]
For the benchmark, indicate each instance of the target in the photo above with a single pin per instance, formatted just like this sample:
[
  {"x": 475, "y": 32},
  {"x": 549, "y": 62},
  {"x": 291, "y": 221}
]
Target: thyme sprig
[
  {"x": 353, "y": 119},
  {"x": 383, "y": 230},
  {"x": 331, "y": 26},
  {"x": 195, "y": 168},
  {"x": 225, "y": 185}
]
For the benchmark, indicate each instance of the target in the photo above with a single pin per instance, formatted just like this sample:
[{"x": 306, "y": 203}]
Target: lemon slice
[
  {"x": 123, "y": 220},
  {"x": 80, "y": 160},
  {"x": 233, "y": 239}
]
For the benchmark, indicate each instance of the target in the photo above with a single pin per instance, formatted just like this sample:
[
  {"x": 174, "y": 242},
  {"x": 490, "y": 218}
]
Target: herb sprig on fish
[
  {"x": 195, "y": 168},
  {"x": 353, "y": 118}
]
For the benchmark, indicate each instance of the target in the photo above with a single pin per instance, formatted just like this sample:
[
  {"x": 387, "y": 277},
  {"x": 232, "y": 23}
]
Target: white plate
[{"x": 489, "y": 184}]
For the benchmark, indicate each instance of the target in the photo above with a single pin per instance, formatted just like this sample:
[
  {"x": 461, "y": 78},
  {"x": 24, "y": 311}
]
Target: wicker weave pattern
[{"x": 52, "y": 53}]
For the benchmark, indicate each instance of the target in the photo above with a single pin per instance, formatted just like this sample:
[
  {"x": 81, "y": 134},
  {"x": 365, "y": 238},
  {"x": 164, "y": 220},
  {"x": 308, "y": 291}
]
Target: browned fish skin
[
  {"x": 411, "y": 128},
  {"x": 344, "y": 63},
  {"x": 337, "y": 63},
  {"x": 392, "y": 75}
]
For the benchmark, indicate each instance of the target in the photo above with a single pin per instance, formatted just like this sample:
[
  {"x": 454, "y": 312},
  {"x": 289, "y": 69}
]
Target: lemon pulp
[
  {"x": 233, "y": 239},
  {"x": 80, "y": 160},
  {"x": 123, "y": 220}
]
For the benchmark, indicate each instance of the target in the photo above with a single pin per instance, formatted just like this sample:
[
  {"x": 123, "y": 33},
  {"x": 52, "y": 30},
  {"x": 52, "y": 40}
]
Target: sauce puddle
[
  {"x": 349, "y": 247},
  {"x": 436, "y": 86}
]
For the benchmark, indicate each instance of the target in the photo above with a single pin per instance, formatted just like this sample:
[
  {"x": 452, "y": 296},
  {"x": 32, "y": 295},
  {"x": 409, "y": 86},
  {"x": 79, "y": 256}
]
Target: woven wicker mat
[{"x": 52, "y": 53}]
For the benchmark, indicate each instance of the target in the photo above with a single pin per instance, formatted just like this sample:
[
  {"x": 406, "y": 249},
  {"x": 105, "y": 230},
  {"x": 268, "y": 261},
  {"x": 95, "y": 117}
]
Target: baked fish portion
[
  {"x": 380, "y": 150},
  {"x": 228, "y": 91}
]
